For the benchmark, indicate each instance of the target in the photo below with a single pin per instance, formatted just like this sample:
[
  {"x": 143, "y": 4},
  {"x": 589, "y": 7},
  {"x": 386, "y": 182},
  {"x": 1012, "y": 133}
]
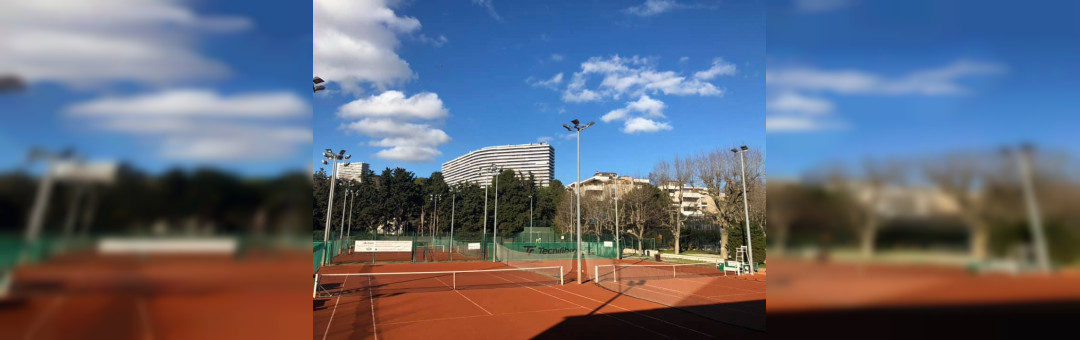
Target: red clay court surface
[
  {"x": 809, "y": 285},
  {"x": 513, "y": 312},
  {"x": 85, "y": 296}
]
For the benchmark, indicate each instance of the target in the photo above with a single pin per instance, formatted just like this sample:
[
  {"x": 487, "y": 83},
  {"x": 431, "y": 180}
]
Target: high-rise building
[
  {"x": 535, "y": 158},
  {"x": 354, "y": 171}
]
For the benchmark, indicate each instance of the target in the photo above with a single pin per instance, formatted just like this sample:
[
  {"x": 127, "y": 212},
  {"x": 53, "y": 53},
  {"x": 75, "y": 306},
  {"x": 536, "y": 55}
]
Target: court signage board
[
  {"x": 608, "y": 244},
  {"x": 474, "y": 246},
  {"x": 383, "y": 246}
]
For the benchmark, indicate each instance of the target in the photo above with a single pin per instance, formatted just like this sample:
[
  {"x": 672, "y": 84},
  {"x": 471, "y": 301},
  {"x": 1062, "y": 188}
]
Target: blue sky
[
  {"x": 160, "y": 83},
  {"x": 852, "y": 79},
  {"x": 493, "y": 67}
]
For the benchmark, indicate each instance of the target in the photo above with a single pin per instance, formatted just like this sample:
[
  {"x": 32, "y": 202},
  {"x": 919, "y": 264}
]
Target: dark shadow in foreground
[
  {"x": 654, "y": 324},
  {"x": 976, "y": 321}
]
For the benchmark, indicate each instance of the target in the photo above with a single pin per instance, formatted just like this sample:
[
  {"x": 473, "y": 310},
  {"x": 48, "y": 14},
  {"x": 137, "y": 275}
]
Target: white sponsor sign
[
  {"x": 608, "y": 244},
  {"x": 222, "y": 245},
  {"x": 383, "y": 246},
  {"x": 474, "y": 246}
]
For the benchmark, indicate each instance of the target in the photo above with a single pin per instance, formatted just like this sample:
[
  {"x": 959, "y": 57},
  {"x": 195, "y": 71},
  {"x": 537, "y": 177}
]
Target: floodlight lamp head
[
  {"x": 342, "y": 152},
  {"x": 324, "y": 162},
  {"x": 568, "y": 128},
  {"x": 744, "y": 148},
  {"x": 317, "y": 88},
  {"x": 734, "y": 150},
  {"x": 317, "y": 80},
  {"x": 346, "y": 164},
  {"x": 575, "y": 121},
  {"x": 348, "y": 156},
  {"x": 329, "y": 151}
]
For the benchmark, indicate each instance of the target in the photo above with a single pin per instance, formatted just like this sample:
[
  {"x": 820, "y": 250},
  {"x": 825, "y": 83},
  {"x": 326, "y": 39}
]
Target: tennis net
[
  {"x": 379, "y": 284},
  {"x": 616, "y": 272}
]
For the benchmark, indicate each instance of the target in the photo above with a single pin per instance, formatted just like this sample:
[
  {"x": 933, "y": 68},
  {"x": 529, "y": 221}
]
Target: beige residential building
[
  {"x": 696, "y": 201},
  {"x": 606, "y": 183}
]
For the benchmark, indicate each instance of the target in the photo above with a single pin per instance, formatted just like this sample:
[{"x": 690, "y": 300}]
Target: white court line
[
  {"x": 588, "y": 309},
  {"x": 725, "y": 287},
  {"x": 645, "y": 315},
  {"x": 331, "y": 321},
  {"x": 737, "y": 294},
  {"x": 473, "y": 302},
  {"x": 684, "y": 295},
  {"x": 463, "y": 295},
  {"x": 477, "y": 316},
  {"x": 44, "y": 316},
  {"x": 145, "y": 318},
  {"x": 374, "y": 331}
]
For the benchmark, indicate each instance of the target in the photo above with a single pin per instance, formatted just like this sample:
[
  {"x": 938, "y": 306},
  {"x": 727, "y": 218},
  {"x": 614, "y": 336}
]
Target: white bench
[{"x": 732, "y": 266}]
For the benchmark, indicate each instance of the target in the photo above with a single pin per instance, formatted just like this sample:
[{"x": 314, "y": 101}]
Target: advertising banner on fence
[
  {"x": 608, "y": 244},
  {"x": 474, "y": 246},
  {"x": 383, "y": 246}
]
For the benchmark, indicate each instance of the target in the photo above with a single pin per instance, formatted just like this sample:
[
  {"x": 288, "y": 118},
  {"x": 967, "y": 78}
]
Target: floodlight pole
[
  {"x": 453, "y": 202},
  {"x": 618, "y": 250},
  {"x": 341, "y": 233},
  {"x": 348, "y": 234},
  {"x": 1023, "y": 157},
  {"x": 434, "y": 224},
  {"x": 746, "y": 210},
  {"x": 485, "y": 216},
  {"x": 37, "y": 213},
  {"x": 577, "y": 128},
  {"x": 531, "y": 219},
  {"x": 495, "y": 224},
  {"x": 329, "y": 207}
]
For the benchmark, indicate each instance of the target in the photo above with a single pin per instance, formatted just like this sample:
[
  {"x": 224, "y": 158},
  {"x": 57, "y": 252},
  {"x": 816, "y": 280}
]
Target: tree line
[
  {"x": 176, "y": 201},
  {"x": 397, "y": 201}
]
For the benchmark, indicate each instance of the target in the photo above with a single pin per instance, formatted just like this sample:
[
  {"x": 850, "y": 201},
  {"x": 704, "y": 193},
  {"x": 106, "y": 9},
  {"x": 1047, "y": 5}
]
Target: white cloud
[
  {"x": 355, "y": 42},
  {"x": 653, "y": 7},
  {"x": 490, "y": 8},
  {"x": 556, "y": 57},
  {"x": 783, "y": 123},
  {"x": 684, "y": 59},
  {"x": 195, "y": 103},
  {"x": 551, "y": 83},
  {"x": 437, "y": 42},
  {"x": 939, "y": 81},
  {"x": 634, "y": 114},
  {"x": 84, "y": 43},
  {"x": 203, "y": 125},
  {"x": 388, "y": 117},
  {"x": 638, "y": 124},
  {"x": 796, "y": 109},
  {"x": 544, "y": 139},
  {"x": 821, "y": 6},
  {"x": 394, "y": 104},
  {"x": 632, "y": 76},
  {"x": 797, "y": 103},
  {"x": 406, "y": 142},
  {"x": 719, "y": 68}
]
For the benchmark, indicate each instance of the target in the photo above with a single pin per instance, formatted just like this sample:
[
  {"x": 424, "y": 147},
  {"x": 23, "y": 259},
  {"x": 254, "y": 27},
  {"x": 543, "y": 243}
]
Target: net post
[
  {"x": 673, "y": 272},
  {"x": 614, "y": 276},
  {"x": 596, "y": 274},
  {"x": 315, "y": 287},
  {"x": 561, "y": 281},
  {"x": 455, "y": 280}
]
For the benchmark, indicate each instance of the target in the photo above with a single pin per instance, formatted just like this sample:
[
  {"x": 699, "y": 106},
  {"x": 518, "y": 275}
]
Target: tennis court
[
  {"x": 494, "y": 300},
  {"x": 702, "y": 289},
  {"x": 90, "y": 296}
]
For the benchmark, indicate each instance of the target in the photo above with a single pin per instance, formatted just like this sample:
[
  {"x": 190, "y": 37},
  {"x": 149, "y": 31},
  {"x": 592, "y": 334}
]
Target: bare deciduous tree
[{"x": 958, "y": 176}]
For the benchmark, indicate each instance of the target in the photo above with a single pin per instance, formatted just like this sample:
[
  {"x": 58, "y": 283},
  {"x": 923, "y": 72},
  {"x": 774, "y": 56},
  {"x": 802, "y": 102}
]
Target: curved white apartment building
[{"x": 537, "y": 158}]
